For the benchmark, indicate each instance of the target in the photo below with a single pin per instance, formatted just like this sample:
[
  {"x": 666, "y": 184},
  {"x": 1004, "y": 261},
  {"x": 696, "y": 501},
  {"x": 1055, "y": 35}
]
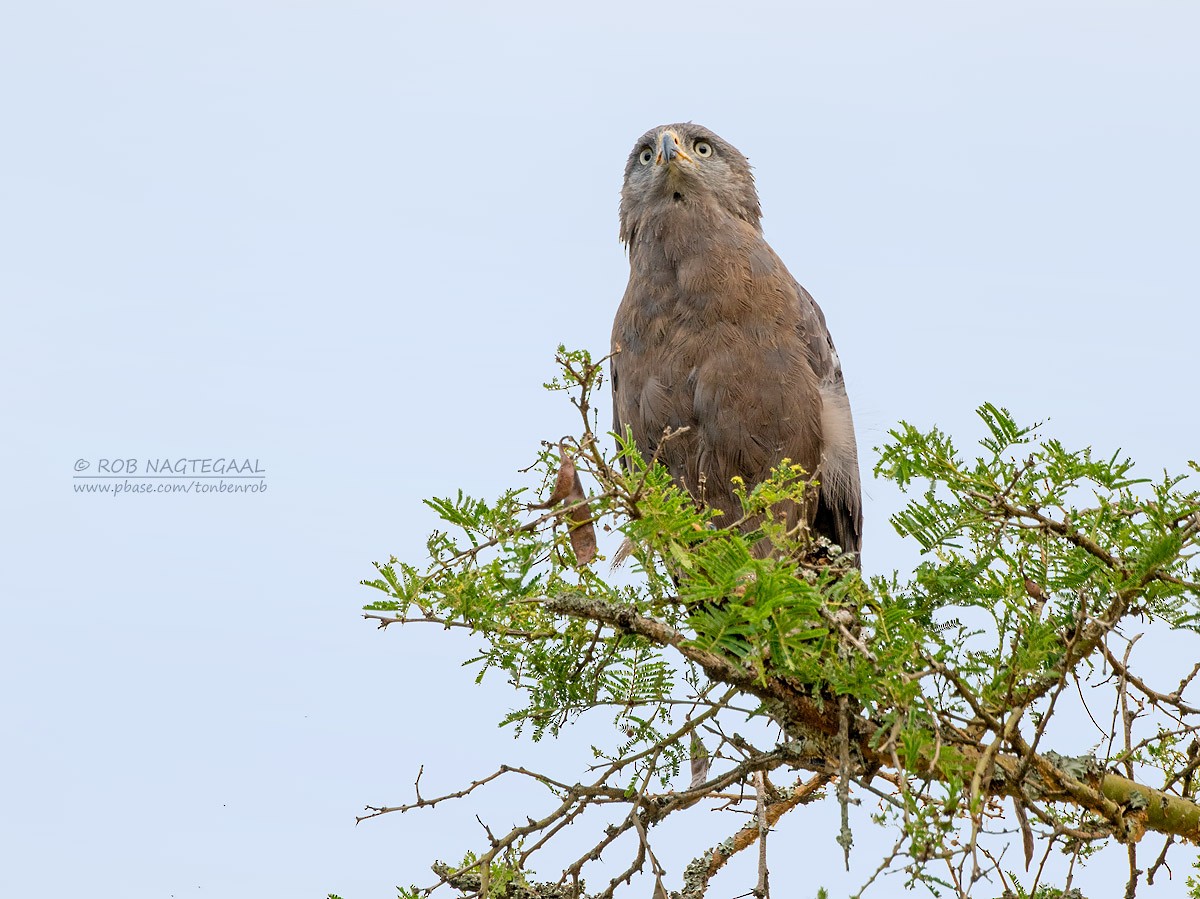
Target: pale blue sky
[{"x": 345, "y": 238}]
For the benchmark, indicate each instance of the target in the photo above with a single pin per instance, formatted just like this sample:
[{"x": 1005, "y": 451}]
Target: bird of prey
[{"x": 715, "y": 335}]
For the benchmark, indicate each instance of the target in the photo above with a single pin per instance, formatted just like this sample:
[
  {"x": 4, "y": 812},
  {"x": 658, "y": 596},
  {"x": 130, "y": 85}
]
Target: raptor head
[{"x": 685, "y": 166}]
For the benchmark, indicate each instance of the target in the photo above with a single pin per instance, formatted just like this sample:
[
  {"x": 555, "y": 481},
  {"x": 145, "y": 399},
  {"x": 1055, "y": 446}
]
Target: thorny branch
[{"x": 937, "y": 734}]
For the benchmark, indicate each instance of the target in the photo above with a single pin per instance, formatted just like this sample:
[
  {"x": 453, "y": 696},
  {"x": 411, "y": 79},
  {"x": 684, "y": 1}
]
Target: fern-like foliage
[{"x": 936, "y": 690}]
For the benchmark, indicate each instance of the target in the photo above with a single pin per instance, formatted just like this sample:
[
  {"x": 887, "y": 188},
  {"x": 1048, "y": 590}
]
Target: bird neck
[{"x": 693, "y": 236}]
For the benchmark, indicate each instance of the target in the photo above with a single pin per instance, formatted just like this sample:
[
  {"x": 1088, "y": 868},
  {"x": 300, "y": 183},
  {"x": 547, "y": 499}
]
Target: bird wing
[{"x": 840, "y": 495}]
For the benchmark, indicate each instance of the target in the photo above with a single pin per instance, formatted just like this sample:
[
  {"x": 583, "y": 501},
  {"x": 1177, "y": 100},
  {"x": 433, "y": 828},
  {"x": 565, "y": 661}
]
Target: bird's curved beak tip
[{"x": 670, "y": 149}]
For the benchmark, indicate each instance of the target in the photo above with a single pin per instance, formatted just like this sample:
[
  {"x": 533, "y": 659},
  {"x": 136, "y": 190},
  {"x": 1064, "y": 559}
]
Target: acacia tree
[{"x": 934, "y": 696}]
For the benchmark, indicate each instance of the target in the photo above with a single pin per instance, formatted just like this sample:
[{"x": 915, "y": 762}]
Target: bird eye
[
  {"x": 645, "y": 157},
  {"x": 703, "y": 148}
]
